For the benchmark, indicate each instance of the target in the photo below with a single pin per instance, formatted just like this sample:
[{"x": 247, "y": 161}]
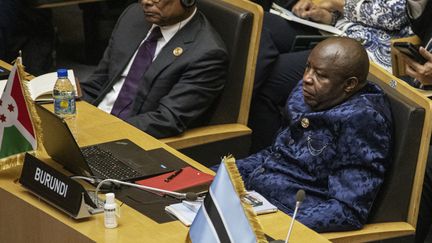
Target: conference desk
[
  {"x": 25, "y": 218},
  {"x": 62, "y": 3}
]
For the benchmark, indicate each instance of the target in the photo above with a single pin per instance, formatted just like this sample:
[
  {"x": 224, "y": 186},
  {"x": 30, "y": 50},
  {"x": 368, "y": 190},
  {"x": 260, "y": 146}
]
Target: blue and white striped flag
[{"x": 223, "y": 217}]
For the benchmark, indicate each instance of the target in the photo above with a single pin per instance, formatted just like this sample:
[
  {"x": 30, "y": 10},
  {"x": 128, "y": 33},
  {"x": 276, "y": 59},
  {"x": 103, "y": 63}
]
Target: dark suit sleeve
[
  {"x": 288, "y": 4},
  {"x": 94, "y": 84},
  {"x": 196, "y": 89}
]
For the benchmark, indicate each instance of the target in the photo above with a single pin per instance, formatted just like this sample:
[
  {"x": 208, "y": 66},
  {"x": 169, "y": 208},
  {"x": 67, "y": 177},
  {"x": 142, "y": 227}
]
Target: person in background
[
  {"x": 336, "y": 145},
  {"x": 278, "y": 69},
  {"x": 163, "y": 68},
  {"x": 25, "y": 28},
  {"x": 420, "y": 12},
  {"x": 7, "y": 20}
]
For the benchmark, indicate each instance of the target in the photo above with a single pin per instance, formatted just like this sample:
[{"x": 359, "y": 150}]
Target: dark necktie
[{"x": 144, "y": 57}]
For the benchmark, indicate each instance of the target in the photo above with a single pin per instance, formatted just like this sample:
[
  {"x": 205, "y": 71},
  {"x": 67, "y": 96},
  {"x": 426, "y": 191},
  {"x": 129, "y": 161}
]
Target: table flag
[
  {"x": 16, "y": 129},
  {"x": 224, "y": 217}
]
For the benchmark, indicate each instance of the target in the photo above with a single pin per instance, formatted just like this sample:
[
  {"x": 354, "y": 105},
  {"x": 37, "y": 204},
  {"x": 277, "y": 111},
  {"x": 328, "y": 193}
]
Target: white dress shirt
[{"x": 167, "y": 33}]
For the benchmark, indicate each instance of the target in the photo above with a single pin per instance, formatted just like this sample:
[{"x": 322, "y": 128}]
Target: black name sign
[{"x": 52, "y": 186}]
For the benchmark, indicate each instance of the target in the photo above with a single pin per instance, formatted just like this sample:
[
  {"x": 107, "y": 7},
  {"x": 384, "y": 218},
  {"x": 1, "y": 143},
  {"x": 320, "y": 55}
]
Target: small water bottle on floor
[{"x": 64, "y": 100}]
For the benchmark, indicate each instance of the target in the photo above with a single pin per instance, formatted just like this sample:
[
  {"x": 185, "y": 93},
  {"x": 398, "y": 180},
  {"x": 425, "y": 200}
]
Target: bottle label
[
  {"x": 64, "y": 105},
  {"x": 110, "y": 218}
]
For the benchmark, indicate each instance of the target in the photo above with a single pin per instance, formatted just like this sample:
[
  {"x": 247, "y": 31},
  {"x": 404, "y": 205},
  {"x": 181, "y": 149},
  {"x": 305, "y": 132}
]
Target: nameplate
[{"x": 54, "y": 187}]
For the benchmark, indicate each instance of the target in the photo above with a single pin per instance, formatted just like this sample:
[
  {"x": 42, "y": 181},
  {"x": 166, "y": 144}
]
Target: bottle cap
[
  {"x": 109, "y": 198},
  {"x": 62, "y": 72}
]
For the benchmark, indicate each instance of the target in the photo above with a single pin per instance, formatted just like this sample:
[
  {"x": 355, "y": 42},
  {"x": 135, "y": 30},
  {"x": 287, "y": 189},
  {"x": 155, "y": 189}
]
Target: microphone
[
  {"x": 188, "y": 196},
  {"x": 300, "y": 196}
]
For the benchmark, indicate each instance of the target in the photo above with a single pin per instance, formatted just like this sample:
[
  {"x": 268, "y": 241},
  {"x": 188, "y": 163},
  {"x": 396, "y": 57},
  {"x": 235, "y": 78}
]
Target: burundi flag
[
  {"x": 16, "y": 130},
  {"x": 224, "y": 217}
]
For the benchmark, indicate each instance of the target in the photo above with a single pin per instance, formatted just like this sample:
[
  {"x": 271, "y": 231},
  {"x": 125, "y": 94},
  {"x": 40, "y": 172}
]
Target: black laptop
[{"x": 120, "y": 159}]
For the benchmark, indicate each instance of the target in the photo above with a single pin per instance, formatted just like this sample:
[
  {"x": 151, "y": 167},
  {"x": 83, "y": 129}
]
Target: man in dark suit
[{"x": 186, "y": 74}]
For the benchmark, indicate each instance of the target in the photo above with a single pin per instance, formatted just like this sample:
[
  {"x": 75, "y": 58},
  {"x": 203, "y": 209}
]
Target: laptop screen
[{"x": 60, "y": 143}]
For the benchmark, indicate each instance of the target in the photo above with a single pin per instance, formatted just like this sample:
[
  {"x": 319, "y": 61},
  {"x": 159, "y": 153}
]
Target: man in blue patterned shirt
[
  {"x": 336, "y": 145},
  {"x": 279, "y": 65}
]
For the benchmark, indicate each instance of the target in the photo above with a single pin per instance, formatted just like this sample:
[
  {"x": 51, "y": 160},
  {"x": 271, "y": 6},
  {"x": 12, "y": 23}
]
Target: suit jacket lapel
[
  {"x": 130, "y": 47},
  {"x": 183, "y": 39}
]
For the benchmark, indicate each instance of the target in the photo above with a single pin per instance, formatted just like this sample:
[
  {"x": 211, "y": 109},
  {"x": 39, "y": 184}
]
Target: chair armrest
[
  {"x": 372, "y": 232},
  {"x": 207, "y": 134},
  {"x": 398, "y": 65}
]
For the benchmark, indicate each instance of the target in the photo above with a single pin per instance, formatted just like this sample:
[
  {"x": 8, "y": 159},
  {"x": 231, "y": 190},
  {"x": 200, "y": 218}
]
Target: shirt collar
[{"x": 169, "y": 31}]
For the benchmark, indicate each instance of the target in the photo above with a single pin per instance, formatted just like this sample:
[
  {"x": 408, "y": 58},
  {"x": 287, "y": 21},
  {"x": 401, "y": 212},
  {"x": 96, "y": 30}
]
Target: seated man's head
[
  {"x": 336, "y": 69},
  {"x": 167, "y": 12}
]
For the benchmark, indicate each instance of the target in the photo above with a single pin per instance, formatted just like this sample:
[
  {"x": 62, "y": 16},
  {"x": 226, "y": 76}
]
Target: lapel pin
[
  {"x": 305, "y": 122},
  {"x": 178, "y": 51}
]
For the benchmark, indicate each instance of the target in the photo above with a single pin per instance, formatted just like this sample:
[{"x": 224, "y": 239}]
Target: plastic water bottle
[
  {"x": 110, "y": 211},
  {"x": 64, "y": 100}
]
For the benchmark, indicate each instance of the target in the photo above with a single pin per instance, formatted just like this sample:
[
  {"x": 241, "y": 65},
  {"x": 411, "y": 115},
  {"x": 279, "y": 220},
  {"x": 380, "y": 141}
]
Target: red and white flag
[{"x": 16, "y": 130}]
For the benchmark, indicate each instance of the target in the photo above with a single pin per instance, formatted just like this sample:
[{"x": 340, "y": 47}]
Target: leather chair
[
  {"x": 394, "y": 213},
  {"x": 239, "y": 24},
  {"x": 398, "y": 65}
]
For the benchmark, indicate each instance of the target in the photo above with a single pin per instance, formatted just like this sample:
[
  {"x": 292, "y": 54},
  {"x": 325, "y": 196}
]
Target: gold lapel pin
[
  {"x": 177, "y": 51},
  {"x": 305, "y": 122}
]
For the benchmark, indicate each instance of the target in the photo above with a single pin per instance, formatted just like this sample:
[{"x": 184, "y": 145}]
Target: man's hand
[
  {"x": 319, "y": 15},
  {"x": 302, "y": 7},
  {"x": 306, "y": 9},
  {"x": 332, "y": 5},
  {"x": 422, "y": 73}
]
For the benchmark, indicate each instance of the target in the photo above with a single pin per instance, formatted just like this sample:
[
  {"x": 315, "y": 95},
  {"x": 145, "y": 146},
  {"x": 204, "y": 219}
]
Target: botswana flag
[{"x": 223, "y": 217}]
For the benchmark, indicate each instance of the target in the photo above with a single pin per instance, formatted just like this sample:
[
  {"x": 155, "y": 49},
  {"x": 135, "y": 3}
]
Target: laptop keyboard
[{"x": 104, "y": 163}]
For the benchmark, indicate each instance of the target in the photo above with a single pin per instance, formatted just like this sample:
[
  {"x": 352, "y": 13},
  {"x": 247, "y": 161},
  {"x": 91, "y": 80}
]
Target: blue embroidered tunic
[{"x": 338, "y": 156}]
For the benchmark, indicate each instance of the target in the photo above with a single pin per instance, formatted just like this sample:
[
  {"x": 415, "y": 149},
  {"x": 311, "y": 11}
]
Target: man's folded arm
[
  {"x": 247, "y": 165},
  {"x": 93, "y": 86},
  {"x": 189, "y": 98}
]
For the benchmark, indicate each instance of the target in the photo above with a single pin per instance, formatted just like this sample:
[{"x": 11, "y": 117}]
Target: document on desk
[
  {"x": 41, "y": 87},
  {"x": 183, "y": 212},
  {"x": 288, "y": 15},
  {"x": 264, "y": 207},
  {"x": 186, "y": 211}
]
